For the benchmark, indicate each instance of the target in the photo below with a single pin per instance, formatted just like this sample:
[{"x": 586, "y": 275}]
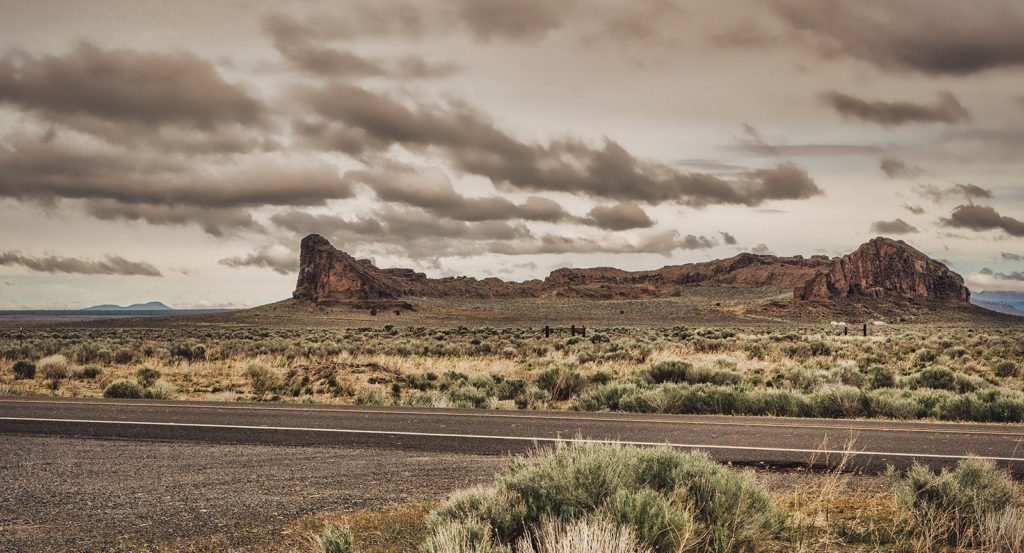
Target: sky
[{"x": 178, "y": 151}]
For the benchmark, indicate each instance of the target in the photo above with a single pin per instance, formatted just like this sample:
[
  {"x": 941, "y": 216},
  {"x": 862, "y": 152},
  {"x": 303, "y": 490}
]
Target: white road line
[{"x": 522, "y": 439}]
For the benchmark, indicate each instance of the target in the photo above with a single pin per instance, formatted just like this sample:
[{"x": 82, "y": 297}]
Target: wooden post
[
  {"x": 547, "y": 331},
  {"x": 583, "y": 331},
  {"x": 865, "y": 329},
  {"x": 572, "y": 330},
  {"x": 846, "y": 330}
]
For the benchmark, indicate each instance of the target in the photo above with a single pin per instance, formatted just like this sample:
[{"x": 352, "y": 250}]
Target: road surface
[{"x": 869, "y": 445}]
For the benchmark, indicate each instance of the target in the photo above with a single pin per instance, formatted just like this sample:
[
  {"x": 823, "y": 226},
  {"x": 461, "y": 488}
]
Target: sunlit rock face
[{"x": 883, "y": 268}]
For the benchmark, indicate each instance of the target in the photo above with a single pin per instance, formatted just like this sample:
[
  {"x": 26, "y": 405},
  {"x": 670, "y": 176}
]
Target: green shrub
[
  {"x": 89, "y": 373},
  {"x": 147, "y": 376},
  {"x": 604, "y": 398},
  {"x": 510, "y": 388},
  {"x": 879, "y": 376},
  {"x": 23, "y": 369},
  {"x": 469, "y": 396},
  {"x": 952, "y": 507},
  {"x": 936, "y": 378},
  {"x": 668, "y": 499},
  {"x": 123, "y": 389},
  {"x": 669, "y": 371},
  {"x": 561, "y": 382},
  {"x": 1006, "y": 369},
  {"x": 532, "y": 397},
  {"x": 654, "y": 519},
  {"x": 334, "y": 539}
]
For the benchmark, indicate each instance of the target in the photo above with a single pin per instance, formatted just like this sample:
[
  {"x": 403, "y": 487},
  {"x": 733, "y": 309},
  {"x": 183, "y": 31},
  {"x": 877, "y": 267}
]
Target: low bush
[
  {"x": 90, "y": 372},
  {"x": 54, "y": 367},
  {"x": 123, "y": 389},
  {"x": 936, "y": 378},
  {"x": 1006, "y": 369},
  {"x": 561, "y": 382},
  {"x": 23, "y": 369},
  {"x": 668, "y": 500},
  {"x": 955, "y": 507},
  {"x": 262, "y": 379},
  {"x": 147, "y": 376}
]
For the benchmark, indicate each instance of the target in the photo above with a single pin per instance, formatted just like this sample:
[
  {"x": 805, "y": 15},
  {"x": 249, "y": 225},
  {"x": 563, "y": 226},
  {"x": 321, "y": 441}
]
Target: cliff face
[
  {"x": 884, "y": 267},
  {"x": 881, "y": 267}
]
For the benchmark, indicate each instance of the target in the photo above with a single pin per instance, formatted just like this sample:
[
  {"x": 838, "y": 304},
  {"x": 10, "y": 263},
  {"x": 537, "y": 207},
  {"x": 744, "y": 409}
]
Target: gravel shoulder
[{"x": 71, "y": 494}]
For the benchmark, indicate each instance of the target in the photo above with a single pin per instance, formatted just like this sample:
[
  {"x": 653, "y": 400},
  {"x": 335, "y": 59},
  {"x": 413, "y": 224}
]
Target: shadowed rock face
[
  {"x": 883, "y": 268},
  {"x": 879, "y": 268}
]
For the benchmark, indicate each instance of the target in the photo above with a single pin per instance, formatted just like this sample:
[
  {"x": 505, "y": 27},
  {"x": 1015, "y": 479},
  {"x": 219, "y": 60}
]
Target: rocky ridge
[{"x": 879, "y": 268}]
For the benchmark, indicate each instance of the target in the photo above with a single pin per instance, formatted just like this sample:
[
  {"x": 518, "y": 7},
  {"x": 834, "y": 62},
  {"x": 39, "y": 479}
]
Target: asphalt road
[{"x": 869, "y": 445}]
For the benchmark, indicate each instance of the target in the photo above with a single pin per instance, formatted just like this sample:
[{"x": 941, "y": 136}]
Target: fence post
[
  {"x": 865, "y": 329},
  {"x": 547, "y": 331},
  {"x": 583, "y": 331},
  {"x": 572, "y": 330}
]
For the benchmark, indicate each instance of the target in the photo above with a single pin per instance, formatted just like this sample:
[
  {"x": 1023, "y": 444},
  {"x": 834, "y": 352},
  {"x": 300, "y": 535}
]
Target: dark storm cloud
[
  {"x": 915, "y": 209},
  {"x": 1012, "y": 256},
  {"x": 729, "y": 239},
  {"x": 623, "y": 216},
  {"x": 896, "y": 226},
  {"x": 30, "y": 170},
  {"x": 898, "y": 169},
  {"x": 761, "y": 249},
  {"x": 110, "y": 265},
  {"x": 214, "y": 221},
  {"x": 356, "y": 120},
  {"x": 434, "y": 193},
  {"x": 947, "y": 110},
  {"x": 930, "y": 36},
  {"x": 966, "y": 191},
  {"x": 979, "y": 218},
  {"x": 284, "y": 263},
  {"x": 126, "y": 86}
]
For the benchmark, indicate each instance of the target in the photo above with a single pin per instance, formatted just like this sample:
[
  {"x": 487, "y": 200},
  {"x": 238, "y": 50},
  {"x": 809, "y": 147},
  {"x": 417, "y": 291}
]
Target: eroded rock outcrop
[
  {"x": 886, "y": 268},
  {"x": 882, "y": 267}
]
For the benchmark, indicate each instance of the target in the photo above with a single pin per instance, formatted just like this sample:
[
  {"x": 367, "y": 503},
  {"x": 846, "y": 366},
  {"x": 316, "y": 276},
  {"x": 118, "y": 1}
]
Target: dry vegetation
[
  {"x": 911, "y": 372},
  {"x": 608, "y": 498},
  {"x": 577, "y": 496}
]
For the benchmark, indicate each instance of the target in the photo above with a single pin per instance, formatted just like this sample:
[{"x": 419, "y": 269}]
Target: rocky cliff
[
  {"x": 885, "y": 268},
  {"x": 879, "y": 268}
]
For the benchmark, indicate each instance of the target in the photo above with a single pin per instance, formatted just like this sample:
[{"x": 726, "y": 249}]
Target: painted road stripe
[
  {"x": 747, "y": 421},
  {"x": 517, "y": 438}
]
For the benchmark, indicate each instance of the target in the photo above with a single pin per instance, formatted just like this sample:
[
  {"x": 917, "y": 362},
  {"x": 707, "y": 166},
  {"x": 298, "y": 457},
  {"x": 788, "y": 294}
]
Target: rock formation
[
  {"x": 881, "y": 267},
  {"x": 884, "y": 267}
]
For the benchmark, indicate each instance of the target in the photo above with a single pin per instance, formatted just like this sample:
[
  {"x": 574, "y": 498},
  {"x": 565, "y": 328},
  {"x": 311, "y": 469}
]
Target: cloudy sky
[{"x": 178, "y": 151}]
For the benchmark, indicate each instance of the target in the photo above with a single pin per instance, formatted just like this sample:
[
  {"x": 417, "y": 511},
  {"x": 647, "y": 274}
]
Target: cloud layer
[{"x": 110, "y": 265}]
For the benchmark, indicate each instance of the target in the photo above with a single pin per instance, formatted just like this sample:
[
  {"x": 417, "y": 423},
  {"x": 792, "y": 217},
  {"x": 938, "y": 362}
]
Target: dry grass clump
[{"x": 54, "y": 367}]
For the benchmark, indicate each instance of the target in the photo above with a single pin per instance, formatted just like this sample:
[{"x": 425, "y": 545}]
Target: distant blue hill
[
  {"x": 150, "y": 306},
  {"x": 1011, "y": 303}
]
